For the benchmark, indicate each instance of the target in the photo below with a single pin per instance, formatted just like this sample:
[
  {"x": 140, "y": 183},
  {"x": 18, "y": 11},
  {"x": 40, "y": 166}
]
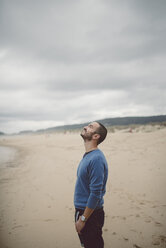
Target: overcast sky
[{"x": 72, "y": 61}]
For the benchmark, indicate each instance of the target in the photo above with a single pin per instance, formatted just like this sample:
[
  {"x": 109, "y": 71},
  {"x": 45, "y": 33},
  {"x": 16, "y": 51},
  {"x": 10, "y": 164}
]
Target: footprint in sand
[
  {"x": 133, "y": 230},
  {"x": 137, "y": 246},
  {"x": 138, "y": 208},
  {"x": 147, "y": 220},
  {"x": 121, "y": 217},
  {"x": 163, "y": 239},
  {"x": 16, "y": 226},
  {"x": 158, "y": 223},
  {"x": 158, "y": 240},
  {"x": 47, "y": 220},
  {"x": 69, "y": 208}
]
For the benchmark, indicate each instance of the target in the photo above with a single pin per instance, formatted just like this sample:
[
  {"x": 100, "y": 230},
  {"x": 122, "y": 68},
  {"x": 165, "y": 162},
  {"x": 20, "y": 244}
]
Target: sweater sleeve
[{"x": 96, "y": 179}]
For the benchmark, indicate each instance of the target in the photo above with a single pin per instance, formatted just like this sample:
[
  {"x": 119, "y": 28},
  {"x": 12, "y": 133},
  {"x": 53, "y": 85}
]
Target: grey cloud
[
  {"x": 71, "y": 61},
  {"x": 40, "y": 28},
  {"x": 63, "y": 32}
]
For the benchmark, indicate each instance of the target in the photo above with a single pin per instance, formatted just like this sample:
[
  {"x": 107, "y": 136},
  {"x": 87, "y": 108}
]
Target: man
[{"x": 90, "y": 188}]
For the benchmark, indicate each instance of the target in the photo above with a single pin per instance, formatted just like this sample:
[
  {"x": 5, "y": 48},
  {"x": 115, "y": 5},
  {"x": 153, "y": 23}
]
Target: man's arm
[{"x": 87, "y": 212}]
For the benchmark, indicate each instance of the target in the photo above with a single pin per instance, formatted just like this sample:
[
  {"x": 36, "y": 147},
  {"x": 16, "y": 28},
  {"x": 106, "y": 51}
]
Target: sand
[{"x": 36, "y": 191}]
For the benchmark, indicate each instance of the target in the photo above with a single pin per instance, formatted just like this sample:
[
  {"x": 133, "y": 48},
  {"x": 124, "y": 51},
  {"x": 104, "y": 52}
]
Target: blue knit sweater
[{"x": 91, "y": 181}]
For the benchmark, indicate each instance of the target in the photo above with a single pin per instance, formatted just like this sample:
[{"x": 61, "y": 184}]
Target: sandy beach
[{"x": 36, "y": 190}]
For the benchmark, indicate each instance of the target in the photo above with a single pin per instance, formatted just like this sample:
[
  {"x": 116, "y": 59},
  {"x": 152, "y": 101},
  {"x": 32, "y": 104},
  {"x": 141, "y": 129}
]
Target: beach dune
[{"x": 36, "y": 190}]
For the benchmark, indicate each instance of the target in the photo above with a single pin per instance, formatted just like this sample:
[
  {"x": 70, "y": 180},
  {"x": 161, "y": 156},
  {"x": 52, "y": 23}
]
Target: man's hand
[{"x": 79, "y": 225}]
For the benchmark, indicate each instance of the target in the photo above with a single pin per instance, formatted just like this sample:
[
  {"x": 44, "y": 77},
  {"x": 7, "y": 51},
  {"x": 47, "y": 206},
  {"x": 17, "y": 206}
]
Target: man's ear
[{"x": 96, "y": 136}]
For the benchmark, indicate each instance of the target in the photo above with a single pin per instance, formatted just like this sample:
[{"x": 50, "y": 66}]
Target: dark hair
[{"x": 102, "y": 131}]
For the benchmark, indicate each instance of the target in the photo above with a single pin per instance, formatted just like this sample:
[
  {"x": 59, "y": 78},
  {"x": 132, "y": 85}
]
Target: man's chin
[
  {"x": 82, "y": 135},
  {"x": 85, "y": 138}
]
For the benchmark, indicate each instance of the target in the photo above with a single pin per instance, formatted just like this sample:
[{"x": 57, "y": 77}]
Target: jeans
[{"x": 91, "y": 234}]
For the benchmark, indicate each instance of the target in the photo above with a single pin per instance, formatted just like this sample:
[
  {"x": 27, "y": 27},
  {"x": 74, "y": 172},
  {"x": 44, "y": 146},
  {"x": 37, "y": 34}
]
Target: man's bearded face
[
  {"x": 88, "y": 131},
  {"x": 86, "y": 135}
]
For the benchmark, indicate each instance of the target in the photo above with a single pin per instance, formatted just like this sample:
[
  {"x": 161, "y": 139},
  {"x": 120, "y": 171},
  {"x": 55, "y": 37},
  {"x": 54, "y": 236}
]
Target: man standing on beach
[{"x": 90, "y": 188}]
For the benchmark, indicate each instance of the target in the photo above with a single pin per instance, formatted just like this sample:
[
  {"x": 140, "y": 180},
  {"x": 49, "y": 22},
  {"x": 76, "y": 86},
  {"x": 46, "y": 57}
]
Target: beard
[{"x": 86, "y": 136}]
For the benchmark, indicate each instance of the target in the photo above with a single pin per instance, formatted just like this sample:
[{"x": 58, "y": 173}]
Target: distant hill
[
  {"x": 26, "y": 132},
  {"x": 119, "y": 121},
  {"x": 1, "y": 133},
  {"x": 133, "y": 120}
]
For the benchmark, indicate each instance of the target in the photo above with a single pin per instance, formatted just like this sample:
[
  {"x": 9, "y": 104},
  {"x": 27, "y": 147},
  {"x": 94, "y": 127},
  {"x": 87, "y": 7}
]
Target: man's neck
[{"x": 90, "y": 146}]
